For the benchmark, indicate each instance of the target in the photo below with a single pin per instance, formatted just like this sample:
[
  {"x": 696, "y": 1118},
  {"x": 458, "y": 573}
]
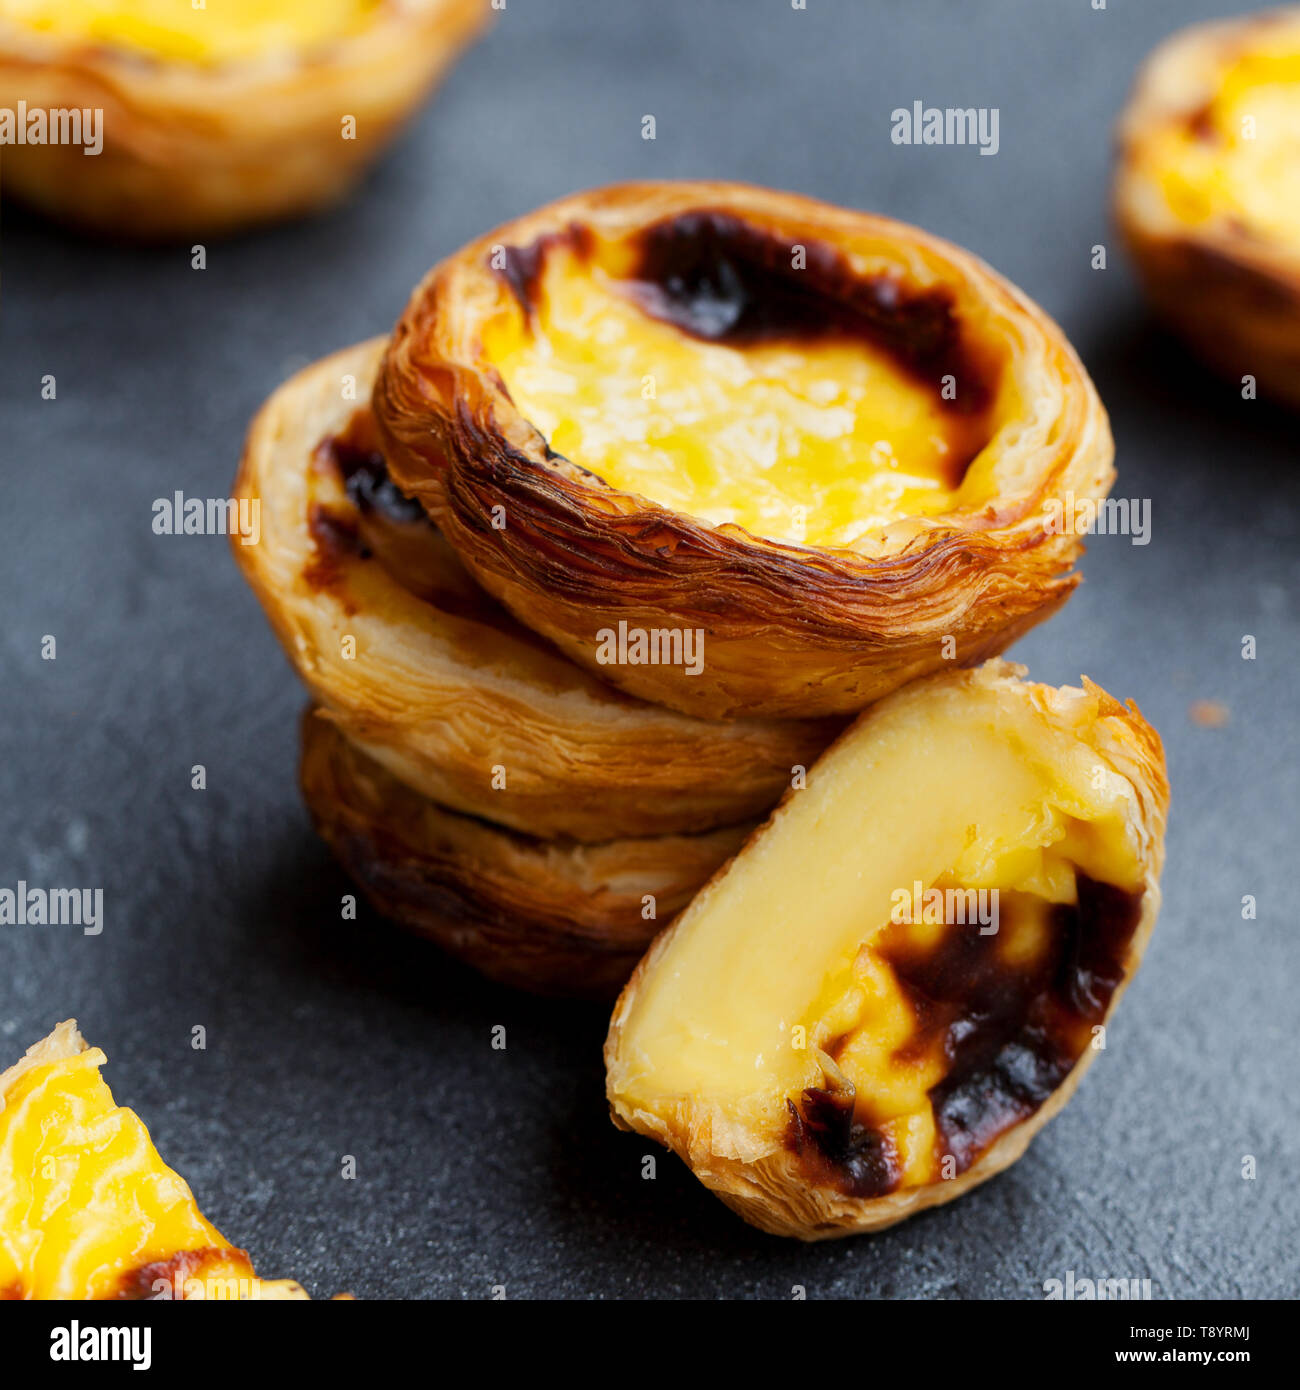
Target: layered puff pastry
[
  {"x": 215, "y": 117},
  {"x": 549, "y": 916},
  {"x": 821, "y": 445},
  {"x": 1207, "y": 193},
  {"x": 436, "y": 681},
  {"x": 88, "y": 1209},
  {"x": 921, "y": 951}
]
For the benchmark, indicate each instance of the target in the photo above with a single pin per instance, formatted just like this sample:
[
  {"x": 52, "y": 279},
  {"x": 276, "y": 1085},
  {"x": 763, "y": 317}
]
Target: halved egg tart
[
  {"x": 462, "y": 703},
  {"x": 1207, "y": 192},
  {"x": 88, "y": 1210},
  {"x": 549, "y": 916},
  {"x": 902, "y": 977},
  {"x": 212, "y": 116},
  {"x": 816, "y": 444}
]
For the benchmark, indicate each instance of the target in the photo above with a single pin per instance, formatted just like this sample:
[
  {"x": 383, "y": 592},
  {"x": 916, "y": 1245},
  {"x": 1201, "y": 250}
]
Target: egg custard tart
[
  {"x": 412, "y": 659},
  {"x": 161, "y": 119},
  {"x": 88, "y": 1210},
  {"x": 1208, "y": 193},
  {"x": 904, "y": 974},
  {"x": 813, "y": 445},
  {"x": 549, "y": 916}
]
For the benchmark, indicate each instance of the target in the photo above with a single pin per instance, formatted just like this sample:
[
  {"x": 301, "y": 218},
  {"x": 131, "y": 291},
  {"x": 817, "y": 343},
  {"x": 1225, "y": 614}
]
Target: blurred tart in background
[
  {"x": 1207, "y": 192},
  {"x": 211, "y": 118}
]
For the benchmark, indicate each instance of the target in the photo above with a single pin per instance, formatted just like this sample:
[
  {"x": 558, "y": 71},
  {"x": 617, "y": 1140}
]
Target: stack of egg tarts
[{"x": 661, "y": 506}]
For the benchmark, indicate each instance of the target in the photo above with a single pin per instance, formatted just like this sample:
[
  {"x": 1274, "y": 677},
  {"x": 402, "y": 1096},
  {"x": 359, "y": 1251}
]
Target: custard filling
[
  {"x": 802, "y": 432},
  {"x": 1238, "y": 160},
  {"x": 87, "y": 1206},
  {"x": 219, "y": 31},
  {"x": 813, "y": 995}
]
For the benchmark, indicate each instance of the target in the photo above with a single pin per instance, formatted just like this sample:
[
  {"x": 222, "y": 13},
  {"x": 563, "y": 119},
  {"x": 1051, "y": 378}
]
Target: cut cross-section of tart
[
  {"x": 1208, "y": 192},
  {"x": 435, "y": 679},
  {"x": 550, "y": 916},
  {"x": 88, "y": 1210},
  {"x": 819, "y": 444},
  {"x": 903, "y": 975},
  {"x": 161, "y": 119}
]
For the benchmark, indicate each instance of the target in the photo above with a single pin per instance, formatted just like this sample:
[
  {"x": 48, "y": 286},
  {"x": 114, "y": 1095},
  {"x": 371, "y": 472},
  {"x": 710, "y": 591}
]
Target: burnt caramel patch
[
  {"x": 141, "y": 1284},
  {"x": 521, "y": 267},
  {"x": 1010, "y": 1034},
  {"x": 722, "y": 280},
  {"x": 336, "y": 540},
  {"x": 361, "y": 465},
  {"x": 1200, "y": 123},
  {"x": 379, "y": 522},
  {"x": 836, "y": 1149}
]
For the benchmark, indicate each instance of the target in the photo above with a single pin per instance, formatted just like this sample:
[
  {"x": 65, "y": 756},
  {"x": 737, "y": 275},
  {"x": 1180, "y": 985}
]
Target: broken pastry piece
[
  {"x": 879, "y": 1002},
  {"x": 410, "y": 658},
  {"x": 172, "y": 118},
  {"x": 816, "y": 446},
  {"x": 88, "y": 1210},
  {"x": 550, "y": 916},
  {"x": 1207, "y": 192}
]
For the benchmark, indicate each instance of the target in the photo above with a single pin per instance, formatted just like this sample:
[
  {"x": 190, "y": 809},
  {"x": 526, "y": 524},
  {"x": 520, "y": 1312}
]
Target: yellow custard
[
  {"x": 1241, "y": 159},
  {"x": 815, "y": 442},
  {"x": 196, "y": 31},
  {"x": 803, "y": 926},
  {"x": 88, "y": 1209}
]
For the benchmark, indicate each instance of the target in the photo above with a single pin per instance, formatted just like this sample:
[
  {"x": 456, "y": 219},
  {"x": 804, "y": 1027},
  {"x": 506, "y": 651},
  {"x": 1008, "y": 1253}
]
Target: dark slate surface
[{"x": 477, "y": 1167}]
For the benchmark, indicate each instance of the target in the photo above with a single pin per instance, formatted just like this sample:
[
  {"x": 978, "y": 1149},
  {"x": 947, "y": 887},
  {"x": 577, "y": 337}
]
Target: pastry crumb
[{"x": 1208, "y": 714}]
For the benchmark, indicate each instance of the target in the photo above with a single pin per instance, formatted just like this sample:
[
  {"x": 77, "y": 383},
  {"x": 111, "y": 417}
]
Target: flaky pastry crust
[
  {"x": 1230, "y": 290},
  {"x": 194, "y": 149},
  {"x": 758, "y": 1174},
  {"x": 546, "y": 916},
  {"x": 788, "y": 629},
  {"x": 446, "y": 689}
]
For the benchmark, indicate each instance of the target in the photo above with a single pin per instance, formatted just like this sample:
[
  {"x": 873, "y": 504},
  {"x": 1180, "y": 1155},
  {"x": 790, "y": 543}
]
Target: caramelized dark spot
[
  {"x": 383, "y": 524},
  {"x": 522, "y": 266},
  {"x": 139, "y": 1284},
  {"x": 365, "y": 477},
  {"x": 1010, "y": 1034},
  {"x": 1200, "y": 123},
  {"x": 720, "y": 279},
  {"x": 336, "y": 539},
  {"x": 836, "y": 1149}
]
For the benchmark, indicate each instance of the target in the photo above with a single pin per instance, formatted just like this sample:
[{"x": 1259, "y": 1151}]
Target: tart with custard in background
[
  {"x": 217, "y": 117},
  {"x": 1207, "y": 193}
]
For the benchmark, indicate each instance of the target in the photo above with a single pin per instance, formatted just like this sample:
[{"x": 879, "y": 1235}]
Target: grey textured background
[{"x": 478, "y": 1167}]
